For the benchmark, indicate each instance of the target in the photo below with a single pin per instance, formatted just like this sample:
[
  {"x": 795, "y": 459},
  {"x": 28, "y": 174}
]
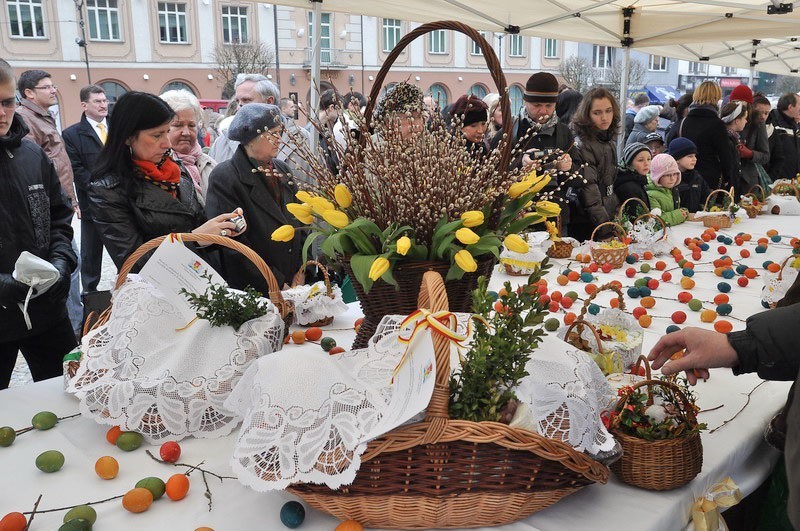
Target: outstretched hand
[{"x": 705, "y": 349}]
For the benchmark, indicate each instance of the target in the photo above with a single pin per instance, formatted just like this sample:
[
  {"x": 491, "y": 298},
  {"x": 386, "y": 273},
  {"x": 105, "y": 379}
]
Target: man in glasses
[{"x": 38, "y": 93}]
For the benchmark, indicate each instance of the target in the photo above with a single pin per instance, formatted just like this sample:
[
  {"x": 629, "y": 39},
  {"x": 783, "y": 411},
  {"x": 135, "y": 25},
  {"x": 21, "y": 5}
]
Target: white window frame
[
  {"x": 516, "y": 45},
  {"x": 729, "y": 70},
  {"x": 515, "y": 100},
  {"x": 238, "y": 18},
  {"x": 475, "y": 49},
  {"x": 392, "y": 32},
  {"x": 173, "y": 13},
  {"x": 657, "y": 63},
  {"x": 596, "y": 56},
  {"x": 437, "y": 37},
  {"x": 103, "y": 14},
  {"x": 35, "y": 11},
  {"x": 551, "y": 48},
  {"x": 440, "y": 88},
  {"x": 325, "y": 42},
  {"x": 698, "y": 67}
]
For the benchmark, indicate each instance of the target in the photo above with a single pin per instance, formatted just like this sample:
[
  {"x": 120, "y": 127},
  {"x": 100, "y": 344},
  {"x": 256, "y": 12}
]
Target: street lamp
[{"x": 81, "y": 42}]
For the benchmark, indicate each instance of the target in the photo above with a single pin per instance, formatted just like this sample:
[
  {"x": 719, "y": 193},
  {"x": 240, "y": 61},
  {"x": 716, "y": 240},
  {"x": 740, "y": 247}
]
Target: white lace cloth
[
  {"x": 311, "y": 302},
  {"x": 648, "y": 235},
  {"x": 526, "y": 262},
  {"x": 775, "y": 288},
  {"x": 139, "y": 373},
  {"x": 306, "y": 413}
]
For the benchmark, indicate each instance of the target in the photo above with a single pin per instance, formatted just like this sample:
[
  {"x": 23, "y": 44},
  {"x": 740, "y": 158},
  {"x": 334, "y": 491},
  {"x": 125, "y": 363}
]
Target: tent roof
[{"x": 657, "y": 26}]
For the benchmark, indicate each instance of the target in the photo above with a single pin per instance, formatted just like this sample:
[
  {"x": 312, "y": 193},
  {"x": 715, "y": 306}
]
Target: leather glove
[
  {"x": 11, "y": 290},
  {"x": 745, "y": 152},
  {"x": 60, "y": 289}
]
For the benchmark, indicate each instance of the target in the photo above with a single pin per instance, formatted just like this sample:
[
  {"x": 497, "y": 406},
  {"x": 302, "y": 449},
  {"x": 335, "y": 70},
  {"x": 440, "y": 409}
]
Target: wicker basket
[
  {"x": 628, "y": 352},
  {"x": 384, "y": 299},
  {"x": 718, "y": 220},
  {"x": 559, "y": 248},
  {"x": 328, "y": 289},
  {"x": 621, "y": 210},
  {"x": 616, "y": 257},
  {"x": 285, "y": 308},
  {"x": 453, "y": 473},
  {"x": 658, "y": 465},
  {"x": 609, "y": 361},
  {"x": 760, "y": 199}
]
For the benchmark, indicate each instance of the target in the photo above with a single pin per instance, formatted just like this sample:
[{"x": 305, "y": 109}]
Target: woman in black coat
[
  {"x": 138, "y": 192},
  {"x": 704, "y": 127},
  {"x": 261, "y": 186}
]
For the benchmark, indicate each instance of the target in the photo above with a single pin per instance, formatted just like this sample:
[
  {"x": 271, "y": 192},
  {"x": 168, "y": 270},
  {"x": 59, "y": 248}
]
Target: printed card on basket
[{"x": 174, "y": 267}]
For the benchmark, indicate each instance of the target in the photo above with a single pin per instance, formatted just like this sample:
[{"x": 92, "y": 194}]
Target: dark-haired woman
[
  {"x": 471, "y": 115},
  {"x": 593, "y": 201},
  {"x": 138, "y": 192}
]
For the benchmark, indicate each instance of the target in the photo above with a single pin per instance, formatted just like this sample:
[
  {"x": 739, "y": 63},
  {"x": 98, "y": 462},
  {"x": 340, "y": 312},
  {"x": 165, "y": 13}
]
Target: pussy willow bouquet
[{"x": 411, "y": 192}]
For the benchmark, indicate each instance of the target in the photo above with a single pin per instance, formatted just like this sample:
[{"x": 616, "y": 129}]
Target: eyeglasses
[{"x": 47, "y": 87}]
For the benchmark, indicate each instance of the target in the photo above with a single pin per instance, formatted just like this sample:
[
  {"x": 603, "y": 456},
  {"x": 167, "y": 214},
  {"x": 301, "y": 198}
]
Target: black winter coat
[
  {"x": 128, "y": 211},
  {"x": 714, "y": 157},
  {"x": 754, "y": 137},
  {"x": 630, "y": 184},
  {"x": 787, "y": 135},
  {"x": 83, "y": 147},
  {"x": 234, "y": 184},
  {"x": 34, "y": 217},
  {"x": 693, "y": 190},
  {"x": 597, "y": 202}
]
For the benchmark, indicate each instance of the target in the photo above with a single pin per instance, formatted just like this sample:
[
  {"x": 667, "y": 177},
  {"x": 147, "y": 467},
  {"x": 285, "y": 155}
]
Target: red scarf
[{"x": 166, "y": 175}]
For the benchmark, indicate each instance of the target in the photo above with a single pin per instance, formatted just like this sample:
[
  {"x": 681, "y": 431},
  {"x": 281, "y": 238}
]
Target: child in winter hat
[
  {"x": 632, "y": 177},
  {"x": 662, "y": 189},
  {"x": 693, "y": 189}
]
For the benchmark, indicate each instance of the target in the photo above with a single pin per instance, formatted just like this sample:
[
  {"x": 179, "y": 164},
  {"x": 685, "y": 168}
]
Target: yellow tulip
[
  {"x": 336, "y": 218},
  {"x": 301, "y": 212},
  {"x": 539, "y": 182},
  {"x": 548, "y": 209},
  {"x": 343, "y": 196},
  {"x": 403, "y": 245},
  {"x": 517, "y": 189},
  {"x": 284, "y": 233},
  {"x": 515, "y": 244},
  {"x": 378, "y": 268},
  {"x": 320, "y": 205},
  {"x": 472, "y": 218},
  {"x": 303, "y": 196},
  {"x": 467, "y": 236},
  {"x": 465, "y": 261}
]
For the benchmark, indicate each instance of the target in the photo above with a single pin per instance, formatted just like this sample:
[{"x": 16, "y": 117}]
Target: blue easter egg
[
  {"x": 728, "y": 273},
  {"x": 688, "y": 272},
  {"x": 492, "y": 295},
  {"x": 673, "y": 328},
  {"x": 741, "y": 268},
  {"x": 292, "y": 514},
  {"x": 761, "y": 249},
  {"x": 766, "y": 264},
  {"x": 704, "y": 247},
  {"x": 587, "y": 277},
  {"x": 776, "y": 238},
  {"x": 633, "y": 292},
  {"x": 724, "y": 309},
  {"x": 631, "y": 259},
  {"x": 594, "y": 309},
  {"x": 724, "y": 287},
  {"x": 644, "y": 291},
  {"x": 721, "y": 238}
]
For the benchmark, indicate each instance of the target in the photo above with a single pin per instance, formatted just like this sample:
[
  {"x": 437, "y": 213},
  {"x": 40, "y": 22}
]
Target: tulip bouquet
[{"x": 420, "y": 198}]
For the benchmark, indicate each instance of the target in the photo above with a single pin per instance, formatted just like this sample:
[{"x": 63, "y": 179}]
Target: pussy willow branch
[{"x": 749, "y": 395}]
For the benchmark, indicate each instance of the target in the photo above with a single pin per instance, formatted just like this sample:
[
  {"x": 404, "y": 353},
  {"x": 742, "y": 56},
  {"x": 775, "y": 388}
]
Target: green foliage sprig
[
  {"x": 222, "y": 307},
  {"x": 483, "y": 387}
]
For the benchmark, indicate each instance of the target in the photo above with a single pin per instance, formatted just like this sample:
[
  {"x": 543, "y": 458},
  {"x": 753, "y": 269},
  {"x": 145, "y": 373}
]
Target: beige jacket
[{"x": 44, "y": 132}]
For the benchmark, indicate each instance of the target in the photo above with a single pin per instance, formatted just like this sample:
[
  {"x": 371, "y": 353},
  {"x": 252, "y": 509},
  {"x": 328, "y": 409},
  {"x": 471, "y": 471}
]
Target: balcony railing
[{"x": 329, "y": 58}]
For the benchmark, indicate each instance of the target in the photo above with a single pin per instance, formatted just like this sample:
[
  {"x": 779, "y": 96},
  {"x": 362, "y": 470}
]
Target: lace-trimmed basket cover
[
  {"x": 647, "y": 231},
  {"x": 141, "y": 373},
  {"x": 523, "y": 264},
  {"x": 777, "y": 284},
  {"x": 454, "y": 473},
  {"x": 316, "y": 304}
]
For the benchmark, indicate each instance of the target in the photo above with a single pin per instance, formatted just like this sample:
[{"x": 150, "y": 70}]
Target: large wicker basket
[
  {"x": 454, "y": 473},
  {"x": 658, "y": 465},
  {"x": 285, "y": 308},
  {"x": 718, "y": 220},
  {"x": 615, "y": 256}
]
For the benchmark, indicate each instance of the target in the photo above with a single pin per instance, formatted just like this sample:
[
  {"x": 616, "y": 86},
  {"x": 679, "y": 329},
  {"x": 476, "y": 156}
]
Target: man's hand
[
  {"x": 705, "y": 349},
  {"x": 564, "y": 162}
]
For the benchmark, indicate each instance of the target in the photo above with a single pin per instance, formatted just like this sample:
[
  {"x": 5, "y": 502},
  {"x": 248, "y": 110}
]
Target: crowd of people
[{"x": 158, "y": 165}]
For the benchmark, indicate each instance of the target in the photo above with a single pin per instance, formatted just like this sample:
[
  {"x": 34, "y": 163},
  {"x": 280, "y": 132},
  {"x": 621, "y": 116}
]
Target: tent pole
[
  {"x": 627, "y": 41},
  {"x": 315, "y": 62},
  {"x": 753, "y": 63}
]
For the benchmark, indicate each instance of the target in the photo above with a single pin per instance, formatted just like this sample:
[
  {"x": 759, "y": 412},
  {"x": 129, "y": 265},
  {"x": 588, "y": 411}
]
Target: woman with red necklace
[{"x": 138, "y": 191}]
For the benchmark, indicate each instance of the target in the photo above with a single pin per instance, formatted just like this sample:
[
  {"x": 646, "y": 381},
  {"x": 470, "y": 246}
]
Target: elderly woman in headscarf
[
  {"x": 261, "y": 185},
  {"x": 400, "y": 111},
  {"x": 183, "y": 135}
]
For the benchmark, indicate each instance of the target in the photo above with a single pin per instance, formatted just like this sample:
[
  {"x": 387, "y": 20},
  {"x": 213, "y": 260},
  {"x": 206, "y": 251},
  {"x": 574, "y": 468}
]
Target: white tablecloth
[{"x": 736, "y": 450}]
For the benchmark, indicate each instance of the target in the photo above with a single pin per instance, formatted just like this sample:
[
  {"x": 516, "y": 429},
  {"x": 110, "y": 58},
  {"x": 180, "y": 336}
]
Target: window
[
  {"x": 391, "y": 33},
  {"x": 698, "y": 68},
  {"x": 437, "y": 43},
  {"x": 177, "y": 85},
  {"x": 550, "y": 48},
  {"x": 113, "y": 90},
  {"x": 234, "y": 24},
  {"x": 478, "y": 90},
  {"x": 728, "y": 70},
  {"x": 325, "y": 35},
  {"x": 515, "y": 99},
  {"x": 657, "y": 63},
  {"x": 172, "y": 23},
  {"x": 26, "y": 18},
  {"x": 516, "y": 46},
  {"x": 602, "y": 56},
  {"x": 103, "y": 18},
  {"x": 476, "y": 50},
  {"x": 439, "y": 94}
]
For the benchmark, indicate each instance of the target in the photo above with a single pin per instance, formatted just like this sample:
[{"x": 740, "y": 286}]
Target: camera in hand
[{"x": 239, "y": 222}]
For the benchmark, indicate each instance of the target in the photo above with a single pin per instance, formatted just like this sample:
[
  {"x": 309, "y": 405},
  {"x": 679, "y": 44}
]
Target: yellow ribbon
[
  {"x": 706, "y": 510},
  {"x": 520, "y": 263},
  {"x": 444, "y": 322}
]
